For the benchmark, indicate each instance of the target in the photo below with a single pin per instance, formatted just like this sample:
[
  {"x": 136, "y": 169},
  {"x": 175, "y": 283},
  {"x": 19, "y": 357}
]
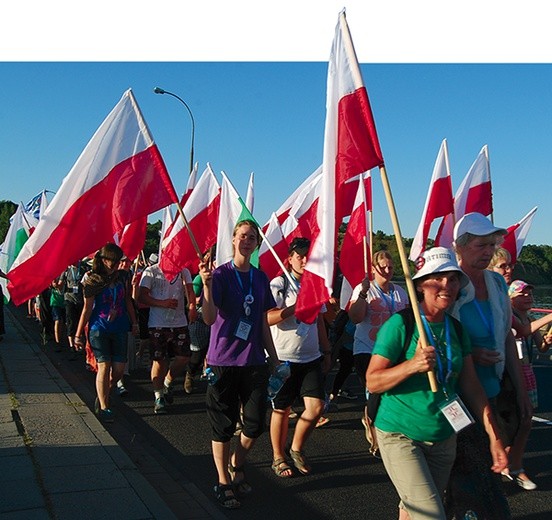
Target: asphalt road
[{"x": 347, "y": 483}]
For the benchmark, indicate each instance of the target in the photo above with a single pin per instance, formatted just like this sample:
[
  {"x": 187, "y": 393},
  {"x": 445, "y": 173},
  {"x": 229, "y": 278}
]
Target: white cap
[
  {"x": 476, "y": 224},
  {"x": 438, "y": 260},
  {"x": 153, "y": 258}
]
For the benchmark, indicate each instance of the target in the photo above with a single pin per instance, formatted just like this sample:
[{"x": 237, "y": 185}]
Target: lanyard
[
  {"x": 489, "y": 324},
  {"x": 248, "y": 298},
  {"x": 435, "y": 343},
  {"x": 114, "y": 296},
  {"x": 388, "y": 299}
]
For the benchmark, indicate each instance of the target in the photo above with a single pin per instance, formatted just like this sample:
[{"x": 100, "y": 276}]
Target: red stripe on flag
[{"x": 480, "y": 199}]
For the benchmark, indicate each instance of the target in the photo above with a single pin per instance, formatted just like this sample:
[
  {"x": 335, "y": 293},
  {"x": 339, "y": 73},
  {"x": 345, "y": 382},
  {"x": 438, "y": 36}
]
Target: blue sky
[{"x": 267, "y": 116}]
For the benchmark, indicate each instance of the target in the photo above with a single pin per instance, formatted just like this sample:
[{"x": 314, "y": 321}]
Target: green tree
[{"x": 7, "y": 209}]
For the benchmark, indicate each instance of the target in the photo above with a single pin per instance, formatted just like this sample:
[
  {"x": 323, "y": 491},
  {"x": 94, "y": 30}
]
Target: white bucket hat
[
  {"x": 438, "y": 260},
  {"x": 475, "y": 224}
]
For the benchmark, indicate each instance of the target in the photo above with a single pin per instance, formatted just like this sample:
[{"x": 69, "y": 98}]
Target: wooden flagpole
[
  {"x": 187, "y": 225},
  {"x": 404, "y": 262}
]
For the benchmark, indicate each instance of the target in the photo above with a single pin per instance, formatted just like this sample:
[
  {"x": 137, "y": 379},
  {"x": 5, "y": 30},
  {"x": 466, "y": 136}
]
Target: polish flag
[
  {"x": 351, "y": 148},
  {"x": 192, "y": 180},
  {"x": 202, "y": 213},
  {"x": 274, "y": 237},
  {"x": 355, "y": 256},
  {"x": 439, "y": 201},
  {"x": 283, "y": 211},
  {"x": 166, "y": 227},
  {"x": 514, "y": 240},
  {"x": 118, "y": 178},
  {"x": 473, "y": 196}
]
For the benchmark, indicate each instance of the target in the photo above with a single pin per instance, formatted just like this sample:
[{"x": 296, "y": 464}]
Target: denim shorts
[{"x": 109, "y": 347}]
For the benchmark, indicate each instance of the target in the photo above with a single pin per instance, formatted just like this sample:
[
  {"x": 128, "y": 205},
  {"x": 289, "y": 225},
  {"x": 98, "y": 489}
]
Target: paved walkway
[{"x": 57, "y": 461}]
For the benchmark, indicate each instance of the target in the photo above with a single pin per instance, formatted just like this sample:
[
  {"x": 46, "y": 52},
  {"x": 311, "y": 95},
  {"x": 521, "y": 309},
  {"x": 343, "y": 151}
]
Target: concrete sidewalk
[{"x": 57, "y": 460}]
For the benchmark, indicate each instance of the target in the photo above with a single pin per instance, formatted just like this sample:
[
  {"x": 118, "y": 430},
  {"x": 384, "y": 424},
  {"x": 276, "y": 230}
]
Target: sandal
[
  {"x": 225, "y": 496},
  {"x": 300, "y": 462},
  {"x": 280, "y": 466},
  {"x": 242, "y": 487}
]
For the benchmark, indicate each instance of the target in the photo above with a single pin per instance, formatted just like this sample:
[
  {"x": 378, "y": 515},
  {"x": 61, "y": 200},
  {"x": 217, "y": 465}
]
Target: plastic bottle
[
  {"x": 210, "y": 376},
  {"x": 170, "y": 314},
  {"x": 277, "y": 380}
]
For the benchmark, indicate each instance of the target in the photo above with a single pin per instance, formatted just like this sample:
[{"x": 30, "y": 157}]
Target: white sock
[
  {"x": 167, "y": 382},
  {"x": 158, "y": 394}
]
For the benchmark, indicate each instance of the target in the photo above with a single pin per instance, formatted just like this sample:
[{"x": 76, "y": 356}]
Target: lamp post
[{"x": 159, "y": 90}]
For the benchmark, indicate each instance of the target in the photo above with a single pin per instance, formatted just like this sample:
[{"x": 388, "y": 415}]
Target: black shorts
[
  {"x": 73, "y": 313},
  {"x": 169, "y": 343},
  {"x": 237, "y": 386},
  {"x": 306, "y": 380}
]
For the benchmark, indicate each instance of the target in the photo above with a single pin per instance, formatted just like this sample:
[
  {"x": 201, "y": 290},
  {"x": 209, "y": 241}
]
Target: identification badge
[
  {"x": 456, "y": 413},
  {"x": 75, "y": 290},
  {"x": 243, "y": 330},
  {"x": 302, "y": 329}
]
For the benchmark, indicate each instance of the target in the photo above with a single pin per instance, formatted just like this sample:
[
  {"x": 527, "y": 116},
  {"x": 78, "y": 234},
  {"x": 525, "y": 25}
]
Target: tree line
[{"x": 534, "y": 264}]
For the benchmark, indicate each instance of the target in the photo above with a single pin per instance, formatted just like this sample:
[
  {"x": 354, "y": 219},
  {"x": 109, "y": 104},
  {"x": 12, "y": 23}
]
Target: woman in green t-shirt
[{"x": 416, "y": 428}]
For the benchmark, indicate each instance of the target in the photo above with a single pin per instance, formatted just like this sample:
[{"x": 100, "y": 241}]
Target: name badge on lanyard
[
  {"x": 456, "y": 413},
  {"x": 243, "y": 330}
]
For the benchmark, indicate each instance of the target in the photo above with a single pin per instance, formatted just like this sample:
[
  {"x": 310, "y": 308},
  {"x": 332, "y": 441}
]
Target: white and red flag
[
  {"x": 274, "y": 237},
  {"x": 351, "y": 147},
  {"x": 202, "y": 213},
  {"x": 439, "y": 201},
  {"x": 166, "y": 228},
  {"x": 514, "y": 240},
  {"x": 355, "y": 256},
  {"x": 192, "y": 181},
  {"x": 119, "y": 177},
  {"x": 473, "y": 195}
]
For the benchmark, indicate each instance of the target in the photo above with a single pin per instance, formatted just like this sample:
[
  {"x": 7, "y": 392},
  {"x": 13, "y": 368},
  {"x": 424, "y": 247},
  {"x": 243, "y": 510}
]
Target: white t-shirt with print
[{"x": 162, "y": 289}]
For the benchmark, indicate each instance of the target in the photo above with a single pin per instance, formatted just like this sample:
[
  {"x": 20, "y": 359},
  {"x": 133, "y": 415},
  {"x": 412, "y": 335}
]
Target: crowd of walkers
[{"x": 447, "y": 450}]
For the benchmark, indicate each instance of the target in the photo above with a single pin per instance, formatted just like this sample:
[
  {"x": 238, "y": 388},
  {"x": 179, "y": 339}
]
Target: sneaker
[
  {"x": 106, "y": 415},
  {"x": 121, "y": 389},
  {"x": 293, "y": 414},
  {"x": 322, "y": 421},
  {"x": 189, "y": 383},
  {"x": 347, "y": 395},
  {"x": 168, "y": 394},
  {"x": 160, "y": 407}
]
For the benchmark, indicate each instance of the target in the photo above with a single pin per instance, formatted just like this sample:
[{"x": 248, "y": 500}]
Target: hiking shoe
[
  {"x": 106, "y": 415},
  {"x": 168, "y": 394},
  {"x": 189, "y": 383},
  {"x": 160, "y": 407},
  {"x": 347, "y": 395}
]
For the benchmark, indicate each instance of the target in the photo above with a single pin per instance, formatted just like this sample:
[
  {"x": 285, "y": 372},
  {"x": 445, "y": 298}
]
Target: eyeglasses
[{"x": 504, "y": 267}]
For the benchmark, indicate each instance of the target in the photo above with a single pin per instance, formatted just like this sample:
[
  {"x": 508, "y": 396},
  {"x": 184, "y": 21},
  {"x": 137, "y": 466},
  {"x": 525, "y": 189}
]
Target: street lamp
[{"x": 159, "y": 90}]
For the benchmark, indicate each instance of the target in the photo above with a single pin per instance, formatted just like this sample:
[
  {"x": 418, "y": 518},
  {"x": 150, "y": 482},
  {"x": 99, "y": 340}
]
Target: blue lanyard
[
  {"x": 434, "y": 343},
  {"x": 114, "y": 296},
  {"x": 489, "y": 324},
  {"x": 385, "y": 297},
  {"x": 241, "y": 283}
]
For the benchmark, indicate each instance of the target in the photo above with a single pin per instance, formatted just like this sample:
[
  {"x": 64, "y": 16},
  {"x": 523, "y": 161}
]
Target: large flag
[
  {"x": 22, "y": 224},
  {"x": 119, "y": 177},
  {"x": 439, "y": 201},
  {"x": 232, "y": 210},
  {"x": 37, "y": 205},
  {"x": 473, "y": 195},
  {"x": 355, "y": 256},
  {"x": 514, "y": 240},
  {"x": 351, "y": 147},
  {"x": 192, "y": 181},
  {"x": 202, "y": 213}
]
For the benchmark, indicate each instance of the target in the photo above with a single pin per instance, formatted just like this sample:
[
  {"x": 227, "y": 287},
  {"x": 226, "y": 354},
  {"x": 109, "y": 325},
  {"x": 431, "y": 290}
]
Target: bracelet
[{"x": 363, "y": 295}]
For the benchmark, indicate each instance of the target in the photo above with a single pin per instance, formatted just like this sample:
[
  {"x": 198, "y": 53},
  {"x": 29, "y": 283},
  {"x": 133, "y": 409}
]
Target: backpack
[{"x": 374, "y": 399}]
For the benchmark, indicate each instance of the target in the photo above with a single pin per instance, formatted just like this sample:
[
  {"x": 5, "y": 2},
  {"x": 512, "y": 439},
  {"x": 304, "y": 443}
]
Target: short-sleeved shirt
[
  {"x": 225, "y": 348},
  {"x": 111, "y": 302},
  {"x": 380, "y": 307},
  {"x": 291, "y": 346},
  {"x": 72, "y": 278},
  {"x": 162, "y": 289},
  {"x": 411, "y": 407}
]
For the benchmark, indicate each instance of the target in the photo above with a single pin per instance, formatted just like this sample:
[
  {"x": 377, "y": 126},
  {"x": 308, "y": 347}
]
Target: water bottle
[
  {"x": 170, "y": 314},
  {"x": 277, "y": 380},
  {"x": 210, "y": 376}
]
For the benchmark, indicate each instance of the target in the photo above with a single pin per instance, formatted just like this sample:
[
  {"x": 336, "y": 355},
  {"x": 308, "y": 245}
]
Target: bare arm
[
  {"x": 208, "y": 308},
  {"x": 359, "y": 308},
  {"x": 268, "y": 343},
  {"x": 476, "y": 399},
  {"x": 85, "y": 317}
]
